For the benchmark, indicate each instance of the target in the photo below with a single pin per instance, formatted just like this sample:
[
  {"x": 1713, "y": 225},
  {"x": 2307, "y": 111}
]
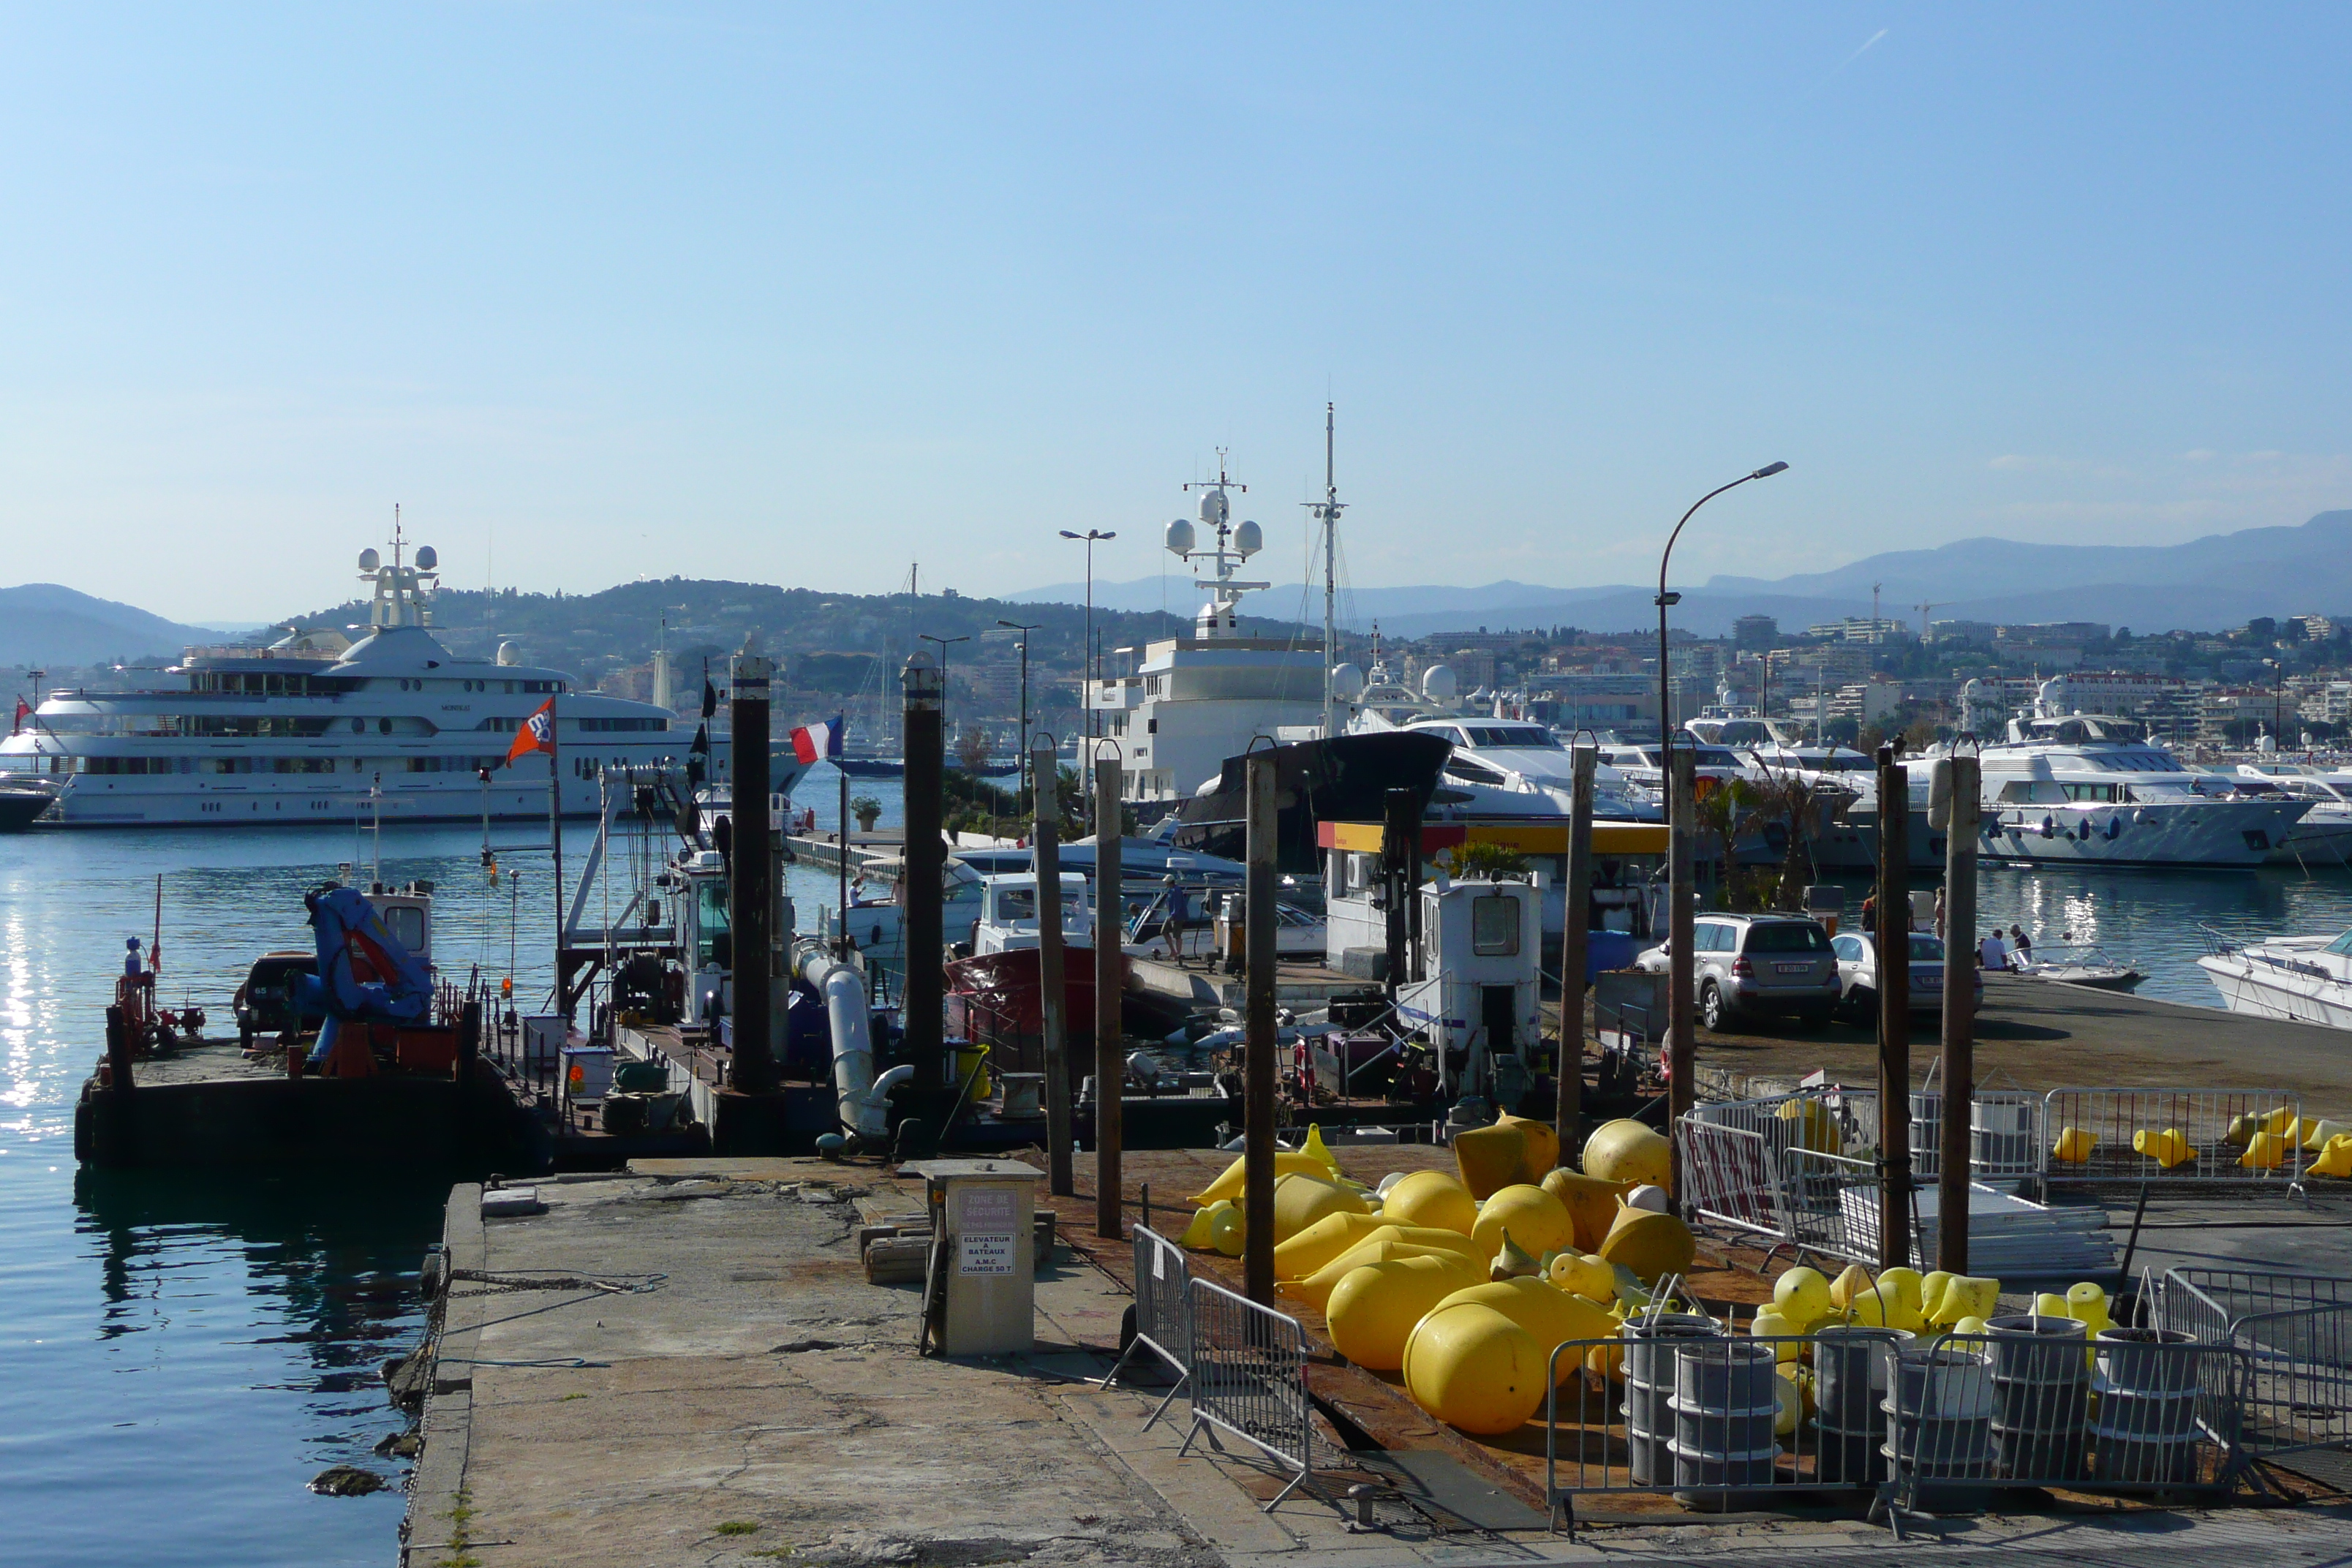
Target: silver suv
[{"x": 1748, "y": 965}]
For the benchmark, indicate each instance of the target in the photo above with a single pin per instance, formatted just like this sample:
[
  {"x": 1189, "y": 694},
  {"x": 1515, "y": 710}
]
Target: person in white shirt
[{"x": 1994, "y": 954}]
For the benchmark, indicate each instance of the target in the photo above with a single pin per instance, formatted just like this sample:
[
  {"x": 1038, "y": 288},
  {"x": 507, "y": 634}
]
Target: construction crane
[{"x": 1925, "y": 610}]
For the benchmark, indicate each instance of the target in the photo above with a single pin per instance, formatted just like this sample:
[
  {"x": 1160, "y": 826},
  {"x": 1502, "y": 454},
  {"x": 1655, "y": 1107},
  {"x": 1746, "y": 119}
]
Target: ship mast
[{"x": 1327, "y": 512}]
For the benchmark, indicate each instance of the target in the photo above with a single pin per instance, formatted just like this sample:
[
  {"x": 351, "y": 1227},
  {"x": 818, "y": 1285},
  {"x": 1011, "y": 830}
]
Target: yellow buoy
[
  {"x": 1815, "y": 1128},
  {"x": 1965, "y": 1297},
  {"x": 1301, "y": 1199},
  {"x": 1389, "y": 1241},
  {"x": 1229, "y": 1186},
  {"x": 1802, "y": 1295},
  {"x": 2336, "y": 1160},
  {"x": 2265, "y": 1152},
  {"x": 2087, "y": 1304},
  {"x": 2167, "y": 1148},
  {"x": 1537, "y": 1221},
  {"x": 1321, "y": 1151},
  {"x": 1549, "y": 1315},
  {"x": 1854, "y": 1280},
  {"x": 1228, "y": 1230},
  {"x": 1372, "y": 1310},
  {"x": 1629, "y": 1151},
  {"x": 1324, "y": 1240},
  {"x": 1488, "y": 1158},
  {"x": 1585, "y": 1275},
  {"x": 1541, "y": 1146},
  {"x": 1906, "y": 1283},
  {"x": 2278, "y": 1120},
  {"x": 1474, "y": 1368},
  {"x": 2317, "y": 1135},
  {"x": 1196, "y": 1235},
  {"x": 1433, "y": 1198},
  {"x": 2074, "y": 1145},
  {"x": 1770, "y": 1325},
  {"x": 1651, "y": 1245},
  {"x": 1591, "y": 1203}
]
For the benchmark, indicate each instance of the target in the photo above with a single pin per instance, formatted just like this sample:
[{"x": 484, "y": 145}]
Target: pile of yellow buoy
[
  {"x": 1466, "y": 1283},
  {"x": 2263, "y": 1139}
]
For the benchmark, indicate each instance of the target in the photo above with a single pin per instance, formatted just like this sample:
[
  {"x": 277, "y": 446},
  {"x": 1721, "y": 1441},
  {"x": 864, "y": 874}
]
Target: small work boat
[{"x": 2077, "y": 963}]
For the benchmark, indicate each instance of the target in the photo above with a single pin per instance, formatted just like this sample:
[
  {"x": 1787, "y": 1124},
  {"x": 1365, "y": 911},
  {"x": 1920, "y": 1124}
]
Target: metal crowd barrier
[
  {"x": 2142, "y": 1411},
  {"x": 1688, "y": 1409},
  {"x": 2200, "y": 1118},
  {"x": 2005, "y": 1136},
  {"x": 1923, "y": 1425},
  {"x": 1732, "y": 1177},
  {"x": 1248, "y": 1367},
  {"x": 2295, "y": 1333},
  {"x": 1163, "y": 1312}
]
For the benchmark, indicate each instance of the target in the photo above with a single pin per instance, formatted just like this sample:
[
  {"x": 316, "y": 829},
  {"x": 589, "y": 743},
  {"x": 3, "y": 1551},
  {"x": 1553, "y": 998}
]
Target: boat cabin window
[
  {"x": 1511, "y": 735},
  {"x": 406, "y": 924},
  {"x": 1494, "y": 925},
  {"x": 1018, "y": 905},
  {"x": 2037, "y": 791},
  {"x": 1744, "y": 733},
  {"x": 1473, "y": 773},
  {"x": 2094, "y": 792},
  {"x": 2342, "y": 945},
  {"x": 709, "y": 921}
]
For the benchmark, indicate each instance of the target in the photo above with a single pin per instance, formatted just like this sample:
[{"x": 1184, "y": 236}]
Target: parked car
[
  {"x": 1857, "y": 962},
  {"x": 1758, "y": 966}
]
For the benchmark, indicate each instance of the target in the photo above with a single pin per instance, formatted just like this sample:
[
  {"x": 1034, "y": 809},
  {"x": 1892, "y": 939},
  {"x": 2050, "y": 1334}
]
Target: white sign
[{"x": 986, "y": 1255}]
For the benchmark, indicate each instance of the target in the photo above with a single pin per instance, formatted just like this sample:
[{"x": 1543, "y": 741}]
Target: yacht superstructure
[
  {"x": 1193, "y": 701},
  {"x": 323, "y": 727}
]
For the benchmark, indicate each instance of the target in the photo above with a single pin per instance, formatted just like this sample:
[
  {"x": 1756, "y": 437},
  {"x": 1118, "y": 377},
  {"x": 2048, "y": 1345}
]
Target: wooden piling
[
  {"x": 1960, "y": 1015},
  {"x": 1893, "y": 937},
  {"x": 926, "y": 863},
  {"x": 1258, "y": 1064},
  {"x": 1052, "y": 996},
  {"x": 1578, "y": 896},
  {"x": 1110, "y": 1053},
  {"x": 750, "y": 881}
]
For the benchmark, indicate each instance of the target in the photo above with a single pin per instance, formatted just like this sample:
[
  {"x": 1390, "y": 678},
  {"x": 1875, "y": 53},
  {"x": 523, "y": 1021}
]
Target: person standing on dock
[
  {"x": 2020, "y": 944},
  {"x": 1994, "y": 954}
]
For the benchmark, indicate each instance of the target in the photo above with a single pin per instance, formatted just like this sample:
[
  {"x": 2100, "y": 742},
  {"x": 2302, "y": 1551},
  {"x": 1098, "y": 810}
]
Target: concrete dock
[{"x": 684, "y": 1363}]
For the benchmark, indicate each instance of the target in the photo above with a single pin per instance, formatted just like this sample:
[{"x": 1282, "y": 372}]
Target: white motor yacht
[
  {"x": 2325, "y": 835},
  {"x": 1516, "y": 765},
  {"x": 2091, "y": 789},
  {"x": 2307, "y": 979}
]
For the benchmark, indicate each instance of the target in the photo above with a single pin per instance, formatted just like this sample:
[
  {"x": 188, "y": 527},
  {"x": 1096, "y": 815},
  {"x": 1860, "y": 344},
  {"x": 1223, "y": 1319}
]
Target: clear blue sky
[{"x": 802, "y": 295}]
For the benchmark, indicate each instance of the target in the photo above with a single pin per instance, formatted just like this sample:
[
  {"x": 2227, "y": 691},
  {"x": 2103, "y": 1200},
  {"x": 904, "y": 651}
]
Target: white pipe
[{"x": 857, "y": 1096}]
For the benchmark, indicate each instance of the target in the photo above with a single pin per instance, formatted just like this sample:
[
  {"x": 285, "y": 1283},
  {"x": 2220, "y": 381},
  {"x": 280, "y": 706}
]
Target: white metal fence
[
  {"x": 2295, "y": 1333},
  {"x": 1248, "y": 1367},
  {"x": 1163, "y": 1312},
  {"x": 2169, "y": 1136}
]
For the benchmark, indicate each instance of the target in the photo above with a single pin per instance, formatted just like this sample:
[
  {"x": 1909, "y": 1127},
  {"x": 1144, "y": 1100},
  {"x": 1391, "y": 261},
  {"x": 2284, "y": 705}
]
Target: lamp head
[{"x": 1768, "y": 469}]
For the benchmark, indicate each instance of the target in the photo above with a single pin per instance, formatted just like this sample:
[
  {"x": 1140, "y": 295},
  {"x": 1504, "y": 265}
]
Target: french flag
[{"x": 813, "y": 742}]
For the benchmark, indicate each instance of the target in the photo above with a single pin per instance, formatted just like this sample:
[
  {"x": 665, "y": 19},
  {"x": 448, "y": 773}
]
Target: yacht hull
[
  {"x": 2222, "y": 833},
  {"x": 2267, "y": 991}
]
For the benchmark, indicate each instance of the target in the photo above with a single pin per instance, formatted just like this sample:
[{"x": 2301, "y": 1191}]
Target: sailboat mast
[{"x": 1327, "y": 511}]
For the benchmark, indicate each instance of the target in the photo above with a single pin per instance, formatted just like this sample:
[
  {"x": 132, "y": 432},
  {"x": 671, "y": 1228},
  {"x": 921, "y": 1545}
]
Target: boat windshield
[
  {"x": 2342, "y": 945},
  {"x": 1744, "y": 733},
  {"x": 1019, "y": 906},
  {"x": 1522, "y": 735},
  {"x": 709, "y": 921}
]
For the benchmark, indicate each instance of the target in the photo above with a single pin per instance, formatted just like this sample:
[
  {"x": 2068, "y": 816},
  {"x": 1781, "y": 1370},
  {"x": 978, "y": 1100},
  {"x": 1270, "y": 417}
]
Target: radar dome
[
  {"x": 1437, "y": 683},
  {"x": 428, "y": 558},
  {"x": 1214, "y": 509},
  {"x": 1249, "y": 539},
  {"x": 370, "y": 560},
  {"x": 1346, "y": 682},
  {"x": 1180, "y": 537},
  {"x": 510, "y": 653}
]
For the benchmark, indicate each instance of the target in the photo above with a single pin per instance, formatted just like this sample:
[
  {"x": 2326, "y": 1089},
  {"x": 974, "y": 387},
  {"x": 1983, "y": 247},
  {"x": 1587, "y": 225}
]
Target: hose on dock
[{"x": 862, "y": 1100}]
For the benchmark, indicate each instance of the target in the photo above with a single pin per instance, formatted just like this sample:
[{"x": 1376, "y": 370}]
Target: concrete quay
[{"x": 683, "y": 1363}]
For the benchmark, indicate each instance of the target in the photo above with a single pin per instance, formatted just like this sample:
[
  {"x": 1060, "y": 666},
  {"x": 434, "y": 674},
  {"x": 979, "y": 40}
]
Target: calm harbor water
[{"x": 179, "y": 1357}]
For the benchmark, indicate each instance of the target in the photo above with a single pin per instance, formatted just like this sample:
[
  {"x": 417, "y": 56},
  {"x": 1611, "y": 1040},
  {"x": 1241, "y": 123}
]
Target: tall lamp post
[
  {"x": 1665, "y": 600},
  {"x": 946, "y": 731},
  {"x": 1086, "y": 659},
  {"x": 1028, "y": 777},
  {"x": 1681, "y": 1037}
]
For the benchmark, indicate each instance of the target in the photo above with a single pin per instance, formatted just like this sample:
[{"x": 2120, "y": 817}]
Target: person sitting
[{"x": 1994, "y": 952}]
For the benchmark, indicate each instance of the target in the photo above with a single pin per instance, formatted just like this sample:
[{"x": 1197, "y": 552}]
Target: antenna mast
[{"x": 1327, "y": 512}]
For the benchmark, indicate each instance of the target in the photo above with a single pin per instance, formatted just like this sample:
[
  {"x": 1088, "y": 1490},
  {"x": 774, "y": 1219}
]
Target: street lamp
[
  {"x": 1028, "y": 781},
  {"x": 945, "y": 643},
  {"x": 1664, "y": 600},
  {"x": 1093, "y": 672}
]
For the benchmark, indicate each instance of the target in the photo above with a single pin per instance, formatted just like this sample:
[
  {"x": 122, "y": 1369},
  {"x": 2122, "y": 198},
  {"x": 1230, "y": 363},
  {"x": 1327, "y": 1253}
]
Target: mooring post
[
  {"x": 1110, "y": 1053},
  {"x": 1396, "y": 832},
  {"x": 1577, "y": 892},
  {"x": 926, "y": 863},
  {"x": 752, "y": 869},
  {"x": 1893, "y": 937},
  {"x": 1053, "y": 994},
  {"x": 1959, "y": 1015},
  {"x": 1681, "y": 1025},
  {"x": 1258, "y": 1064}
]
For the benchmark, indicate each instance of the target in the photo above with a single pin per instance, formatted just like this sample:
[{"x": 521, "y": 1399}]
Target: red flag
[
  {"x": 23, "y": 713},
  {"x": 537, "y": 734}
]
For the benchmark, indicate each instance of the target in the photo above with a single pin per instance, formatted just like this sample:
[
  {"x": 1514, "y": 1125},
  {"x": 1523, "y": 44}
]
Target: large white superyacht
[
  {"x": 2090, "y": 788},
  {"x": 321, "y": 727}
]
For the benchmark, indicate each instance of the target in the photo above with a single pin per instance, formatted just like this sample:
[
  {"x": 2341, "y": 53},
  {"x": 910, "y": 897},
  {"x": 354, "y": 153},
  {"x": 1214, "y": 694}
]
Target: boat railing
[{"x": 2218, "y": 943}]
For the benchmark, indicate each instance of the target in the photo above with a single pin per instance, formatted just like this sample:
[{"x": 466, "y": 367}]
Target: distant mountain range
[
  {"x": 2212, "y": 583},
  {"x": 45, "y": 624}
]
